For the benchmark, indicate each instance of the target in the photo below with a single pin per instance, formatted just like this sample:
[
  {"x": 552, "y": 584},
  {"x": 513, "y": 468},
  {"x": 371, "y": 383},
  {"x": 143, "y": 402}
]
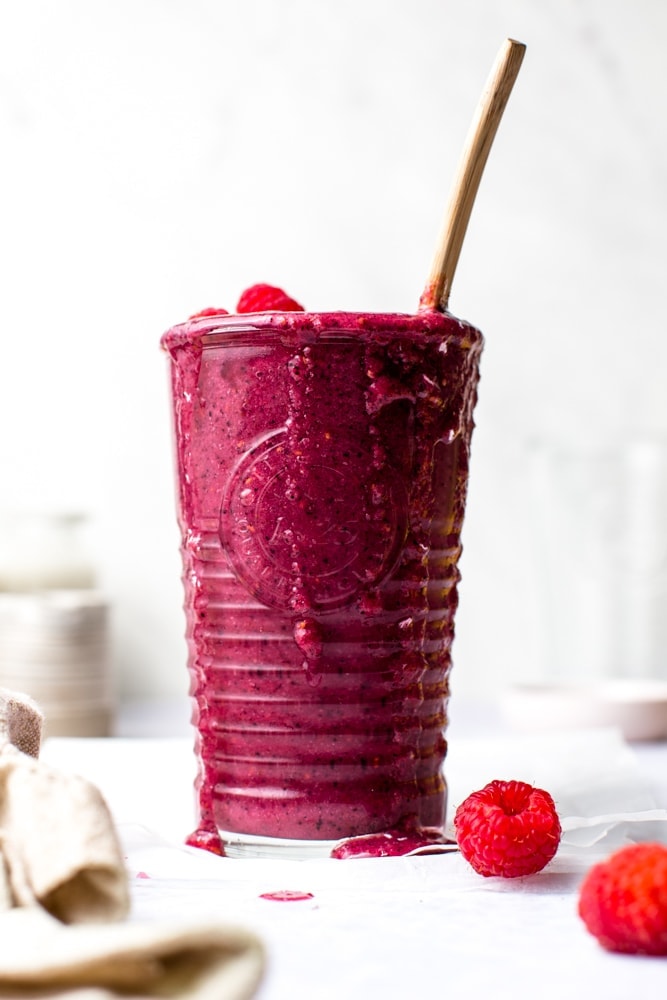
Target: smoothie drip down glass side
[{"x": 322, "y": 472}]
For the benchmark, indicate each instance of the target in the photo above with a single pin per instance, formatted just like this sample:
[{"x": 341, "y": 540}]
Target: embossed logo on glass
[{"x": 310, "y": 529}]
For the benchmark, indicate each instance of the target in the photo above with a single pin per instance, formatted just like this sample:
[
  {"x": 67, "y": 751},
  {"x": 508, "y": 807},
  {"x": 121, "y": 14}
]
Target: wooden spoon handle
[{"x": 471, "y": 166}]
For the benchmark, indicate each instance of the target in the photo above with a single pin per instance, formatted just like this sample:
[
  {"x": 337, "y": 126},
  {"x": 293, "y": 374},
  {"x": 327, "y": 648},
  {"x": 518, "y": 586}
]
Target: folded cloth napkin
[
  {"x": 40, "y": 957},
  {"x": 64, "y": 895},
  {"x": 58, "y": 843}
]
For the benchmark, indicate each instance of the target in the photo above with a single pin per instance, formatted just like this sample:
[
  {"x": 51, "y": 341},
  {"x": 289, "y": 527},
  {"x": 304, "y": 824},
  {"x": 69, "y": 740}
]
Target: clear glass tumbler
[{"x": 322, "y": 468}]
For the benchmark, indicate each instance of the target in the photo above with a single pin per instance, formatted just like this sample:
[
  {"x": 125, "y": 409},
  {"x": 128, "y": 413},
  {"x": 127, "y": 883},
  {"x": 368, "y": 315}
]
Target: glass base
[{"x": 243, "y": 845}]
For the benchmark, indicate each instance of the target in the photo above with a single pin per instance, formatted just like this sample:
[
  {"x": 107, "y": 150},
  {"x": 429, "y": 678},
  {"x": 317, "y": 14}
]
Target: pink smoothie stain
[
  {"x": 286, "y": 895},
  {"x": 207, "y": 838},
  {"x": 393, "y": 844}
]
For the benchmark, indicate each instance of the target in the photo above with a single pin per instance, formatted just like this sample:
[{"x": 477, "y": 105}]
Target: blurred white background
[{"x": 160, "y": 155}]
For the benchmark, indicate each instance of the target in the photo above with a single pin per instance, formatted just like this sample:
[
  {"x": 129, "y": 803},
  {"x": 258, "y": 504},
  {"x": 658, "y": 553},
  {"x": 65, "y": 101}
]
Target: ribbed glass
[{"x": 322, "y": 470}]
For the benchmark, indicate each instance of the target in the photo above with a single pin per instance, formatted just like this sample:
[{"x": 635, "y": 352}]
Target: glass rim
[{"x": 302, "y": 328}]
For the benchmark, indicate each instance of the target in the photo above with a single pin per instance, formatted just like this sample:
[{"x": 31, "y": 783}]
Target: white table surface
[{"x": 387, "y": 928}]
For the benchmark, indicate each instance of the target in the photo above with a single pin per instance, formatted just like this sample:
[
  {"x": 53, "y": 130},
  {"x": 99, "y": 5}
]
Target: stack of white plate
[{"x": 54, "y": 647}]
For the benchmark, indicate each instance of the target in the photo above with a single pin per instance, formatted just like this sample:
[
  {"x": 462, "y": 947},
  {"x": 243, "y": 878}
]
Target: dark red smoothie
[{"x": 322, "y": 473}]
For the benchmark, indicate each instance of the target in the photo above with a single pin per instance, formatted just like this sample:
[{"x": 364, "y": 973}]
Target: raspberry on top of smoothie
[
  {"x": 266, "y": 298},
  {"x": 256, "y": 298}
]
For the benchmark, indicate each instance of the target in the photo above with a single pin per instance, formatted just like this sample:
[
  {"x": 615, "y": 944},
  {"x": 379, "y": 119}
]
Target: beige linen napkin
[
  {"x": 61, "y": 864},
  {"x": 41, "y": 957}
]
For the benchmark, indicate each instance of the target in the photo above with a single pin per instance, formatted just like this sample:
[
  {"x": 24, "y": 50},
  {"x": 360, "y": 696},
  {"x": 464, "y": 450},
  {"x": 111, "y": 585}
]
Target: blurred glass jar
[
  {"x": 44, "y": 550},
  {"x": 54, "y": 641},
  {"x": 601, "y": 547}
]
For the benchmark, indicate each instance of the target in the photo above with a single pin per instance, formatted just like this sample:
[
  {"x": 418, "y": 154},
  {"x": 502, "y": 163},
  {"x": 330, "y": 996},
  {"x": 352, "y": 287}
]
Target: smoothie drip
[{"x": 303, "y": 440}]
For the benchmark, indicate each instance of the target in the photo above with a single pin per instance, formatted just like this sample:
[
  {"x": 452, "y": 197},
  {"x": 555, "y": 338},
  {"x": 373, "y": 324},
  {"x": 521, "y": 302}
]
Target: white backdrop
[{"x": 160, "y": 155}]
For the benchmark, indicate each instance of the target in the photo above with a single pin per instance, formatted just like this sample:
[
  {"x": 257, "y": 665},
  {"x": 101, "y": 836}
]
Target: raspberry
[
  {"x": 266, "y": 298},
  {"x": 209, "y": 311},
  {"x": 508, "y": 828},
  {"x": 623, "y": 900}
]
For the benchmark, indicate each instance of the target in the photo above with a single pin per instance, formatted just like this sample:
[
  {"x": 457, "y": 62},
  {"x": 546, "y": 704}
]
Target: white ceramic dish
[{"x": 637, "y": 707}]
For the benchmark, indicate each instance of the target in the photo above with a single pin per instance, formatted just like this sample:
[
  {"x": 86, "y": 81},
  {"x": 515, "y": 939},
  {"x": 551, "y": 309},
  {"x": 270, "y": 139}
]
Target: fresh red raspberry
[
  {"x": 508, "y": 828},
  {"x": 266, "y": 298},
  {"x": 209, "y": 311},
  {"x": 623, "y": 900}
]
